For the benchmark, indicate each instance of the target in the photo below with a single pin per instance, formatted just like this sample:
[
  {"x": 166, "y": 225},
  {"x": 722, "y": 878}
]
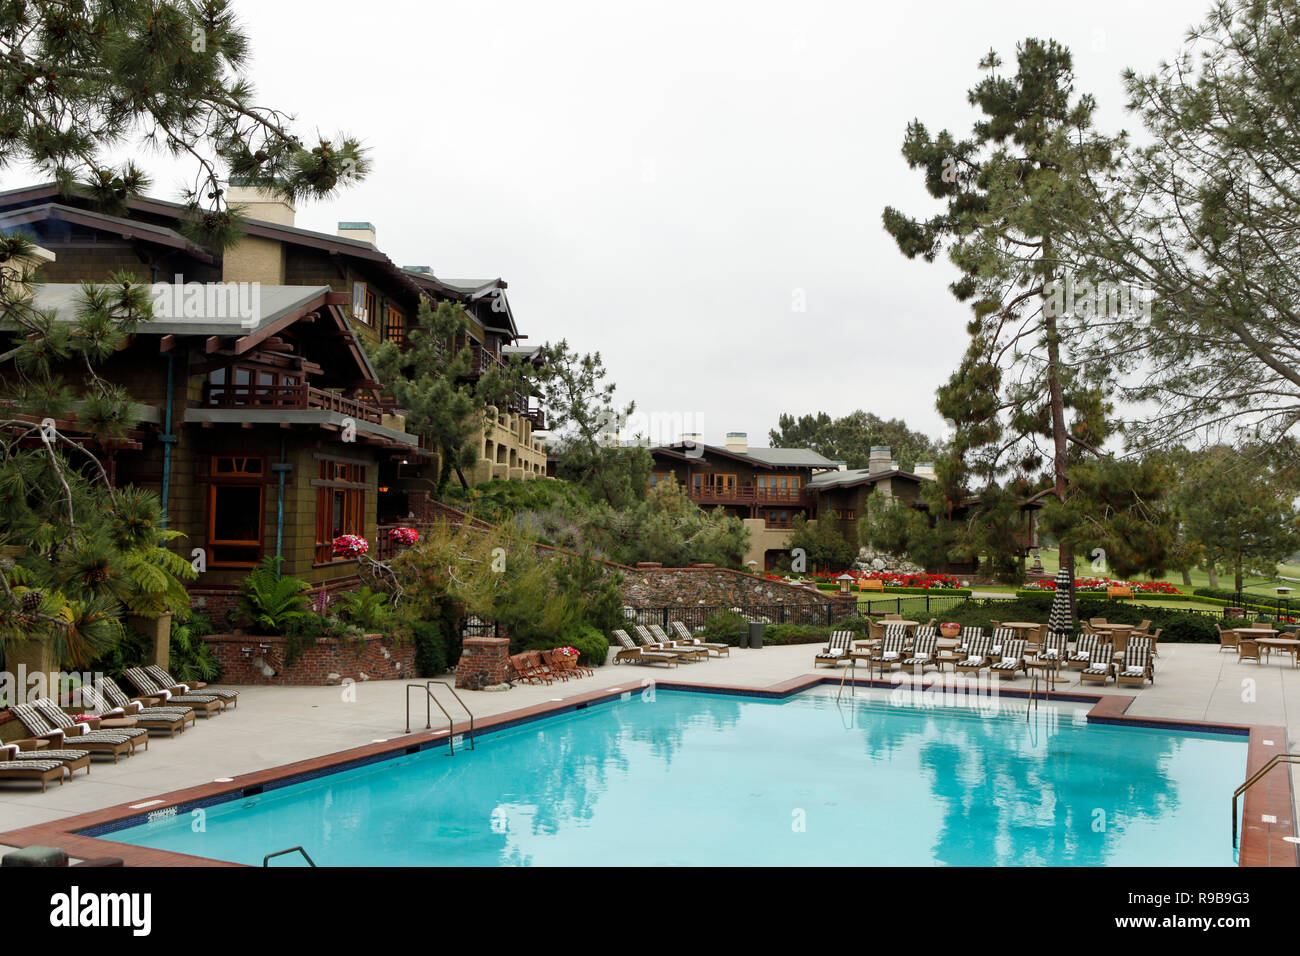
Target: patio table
[{"x": 1283, "y": 645}]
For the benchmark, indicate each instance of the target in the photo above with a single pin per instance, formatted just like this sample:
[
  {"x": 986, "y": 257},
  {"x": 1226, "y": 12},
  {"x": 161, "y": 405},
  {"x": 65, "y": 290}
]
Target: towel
[
  {"x": 837, "y": 652},
  {"x": 1134, "y": 671},
  {"x": 1083, "y": 655},
  {"x": 889, "y": 656},
  {"x": 996, "y": 649},
  {"x": 922, "y": 656},
  {"x": 1009, "y": 661}
]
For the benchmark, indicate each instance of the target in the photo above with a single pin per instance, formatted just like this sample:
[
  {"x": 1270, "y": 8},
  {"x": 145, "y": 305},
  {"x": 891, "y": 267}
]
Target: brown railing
[
  {"x": 295, "y": 397},
  {"x": 750, "y": 494}
]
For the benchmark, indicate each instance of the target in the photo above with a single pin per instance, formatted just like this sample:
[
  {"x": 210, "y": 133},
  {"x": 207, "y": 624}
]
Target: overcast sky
[{"x": 670, "y": 183}]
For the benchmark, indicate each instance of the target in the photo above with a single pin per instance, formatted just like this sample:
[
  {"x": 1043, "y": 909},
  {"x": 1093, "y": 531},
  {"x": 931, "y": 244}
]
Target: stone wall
[
  {"x": 710, "y": 586},
  {"x": 323, "y": 663},
  {"x": 484, "y": 662}
]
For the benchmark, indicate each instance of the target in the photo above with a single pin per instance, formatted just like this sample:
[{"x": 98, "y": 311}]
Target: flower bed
[
  {"x": 1101, "y": 584},
  {"x": 892, "y": 580}
]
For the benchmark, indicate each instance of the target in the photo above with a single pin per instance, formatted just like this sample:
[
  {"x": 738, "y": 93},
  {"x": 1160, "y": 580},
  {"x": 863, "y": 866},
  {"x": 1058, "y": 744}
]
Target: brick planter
[
  {"x": 484, "y": 661},
  {"x": 323, "y": 663}
]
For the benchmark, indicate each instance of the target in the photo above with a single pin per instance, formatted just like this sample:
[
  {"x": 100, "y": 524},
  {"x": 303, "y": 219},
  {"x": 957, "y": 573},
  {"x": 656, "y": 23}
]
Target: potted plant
[{"x": 949, "y": 629}]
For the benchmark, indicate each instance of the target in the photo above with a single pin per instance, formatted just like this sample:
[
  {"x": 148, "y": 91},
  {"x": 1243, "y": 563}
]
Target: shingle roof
[{"x": 853, "y": 476}]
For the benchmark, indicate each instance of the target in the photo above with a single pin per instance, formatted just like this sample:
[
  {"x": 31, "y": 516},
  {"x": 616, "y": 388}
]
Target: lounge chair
[
  {"x": 167, "y": 682},
  {"x": 555, "y": 666},
  {"x": 639, "y": 655},
  {"x": 924, "y": 630},
  {"x": 72, "y": 760},
  {"x": 686, "y": 637},
  {"x": 1155, "y": 640},
  {"x": 1010, "y": 659},
  {"x": 1086, "y": 648},
  {"x": 683, "y": 653},
  {"x": 170, "y": 719},
  {"x": 969, "y": 634},
  {"x": 836, "y": 651},
  {"x": 977, "y": 656},
  {"x": 148, "y": 687},
  {"x": 672, "y": 643},
  {"x": 115, "y": 742},
  {"x": 40, "y": 771},
  {"x": 891, "y": 648},
  {"x": 1103, "y": 668},
  {"x": 924, "y": 650},
  {"x": 1056, "y": 647},
  {"x": 1137, "y": 667},
  {"x": 1002, "y": 637}
]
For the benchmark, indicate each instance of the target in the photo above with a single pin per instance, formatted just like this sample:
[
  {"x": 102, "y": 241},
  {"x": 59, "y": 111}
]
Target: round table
[{"x": 1287, "y": 645}]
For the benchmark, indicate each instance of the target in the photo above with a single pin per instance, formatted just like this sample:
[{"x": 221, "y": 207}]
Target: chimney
[
  {"x": 738, "y": 442},
  {"x": 924, "y": 469},
  {"x": 880, "y": 460},
  {"x": 260, "y": 204},
  {"x": 363, "y": 231},
  {"x": 418, "y": 270}
]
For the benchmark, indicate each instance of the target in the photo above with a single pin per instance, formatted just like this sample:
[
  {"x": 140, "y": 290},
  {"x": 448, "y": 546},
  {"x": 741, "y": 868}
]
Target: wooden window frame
[
  {"x": 338, "y": 476},
  {"x": 241, "y": 478}
]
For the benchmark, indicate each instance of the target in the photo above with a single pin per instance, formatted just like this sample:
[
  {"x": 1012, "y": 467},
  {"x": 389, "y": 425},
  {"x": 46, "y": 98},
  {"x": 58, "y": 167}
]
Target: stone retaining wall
[{"x": 326, "y": 662}]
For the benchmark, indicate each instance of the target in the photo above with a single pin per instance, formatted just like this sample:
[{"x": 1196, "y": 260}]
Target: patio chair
[
  {"x": 686, "y": 637},
  {"x": 1103, "y": 668},
  {"x": 526, "y": 669},
  {"x": 893, "y": 617},
  {"x": 1227, "y": 641},
  {"x": 891, "y": 647},
  {"x": 1086, "y": 648},
  {"x": 1137, "y": 668},
  {"x": 924, "y": 630},
  {"x": 1055, "y": 647},
  {"x": 1155, "y": 639},
  {"x": 40, "y": 771},
  {"x": 1143, "y": 629},
  {"x": 115, "y": 742},
  {"x": 629, "y": 652},
  {"x": 875, "y": 629},
  {"x": 72, "y": 760},
  {"x": 837, "y": 650},
  {"x": 924, "y": 651},
  {"x": 167, "y": 682},
  {"x": 969, "y": 634},
  {"x": 170, "y": 719},
  {"x": 1011, "y": 659},
  {"x": 148, "y": 687},
  {"x": 977, "y": 654},
  {"x": 673, "y": 644},
  {"x": 553, "y": 665},
  {"x": 683, "y": 653},
  {"x": 1002, "y": 637},
  {"x": 1248, "y": 650},
  {"x": 1098, "y": 621}
]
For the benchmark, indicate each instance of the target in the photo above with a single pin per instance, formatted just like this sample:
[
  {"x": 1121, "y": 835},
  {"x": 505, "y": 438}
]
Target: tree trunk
[
  {"x": 1237, "y": 569},
  {"x": 1056, "y": 397},
  {"x": 1187, "y": 578},
  {"x": 1213, "y": 572}
]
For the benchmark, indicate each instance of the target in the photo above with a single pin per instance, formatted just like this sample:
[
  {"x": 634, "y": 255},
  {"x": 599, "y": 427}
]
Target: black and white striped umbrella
[{"x": 1060, "y": 620}]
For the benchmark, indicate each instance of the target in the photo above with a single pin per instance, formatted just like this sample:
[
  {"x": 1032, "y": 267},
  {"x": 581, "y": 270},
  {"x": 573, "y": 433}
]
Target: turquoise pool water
[{"x": 676, "y": 777}]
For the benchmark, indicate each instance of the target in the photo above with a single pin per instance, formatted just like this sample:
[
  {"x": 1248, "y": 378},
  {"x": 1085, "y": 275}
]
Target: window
[
  {"x": 365, "y": 304},
  {"x": 340, "y": 504},
  {"x": 777, "y": 518},
  {"x": 722, "y": 483},
  {"x": 395, "y": 326},
  {"x": 236, "y": 511},
  {"x": 658, "y": 476},
  {"x": 239, "y": 386}
]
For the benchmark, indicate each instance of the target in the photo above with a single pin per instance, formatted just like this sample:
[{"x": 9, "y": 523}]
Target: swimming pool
[{"x": 675, "y": 777}]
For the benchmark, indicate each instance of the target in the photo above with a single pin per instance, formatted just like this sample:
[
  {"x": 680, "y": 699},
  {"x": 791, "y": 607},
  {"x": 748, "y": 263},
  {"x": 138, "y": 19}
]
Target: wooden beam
[
  {"x": 212, "y": 344},
  {"x": 167, "y": 343},
  {"x": 338, "y": 298}
]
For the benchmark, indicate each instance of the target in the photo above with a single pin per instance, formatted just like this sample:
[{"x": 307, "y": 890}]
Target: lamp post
[{"x": 845, "y": 580}]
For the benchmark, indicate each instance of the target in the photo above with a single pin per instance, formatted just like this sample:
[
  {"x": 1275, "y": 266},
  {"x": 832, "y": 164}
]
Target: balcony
[
  {"x": 750, "y": 495},
  {"x": 289, "y": 397}
]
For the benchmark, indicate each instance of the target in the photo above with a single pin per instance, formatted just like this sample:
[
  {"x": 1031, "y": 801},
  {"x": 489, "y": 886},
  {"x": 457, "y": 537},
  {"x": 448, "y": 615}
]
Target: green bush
[
  {"x": 434, "y": 647},
  {"x": 269, "y": 603},
  {"x": 726, "y": 627},
  {"x": 1178, "y": 626},
  {"x": 796, "y": 634},
  {"x": 593, "y": 647},
  {"x": 369, "y": 610},
  {"x": 192, "y": 658}
]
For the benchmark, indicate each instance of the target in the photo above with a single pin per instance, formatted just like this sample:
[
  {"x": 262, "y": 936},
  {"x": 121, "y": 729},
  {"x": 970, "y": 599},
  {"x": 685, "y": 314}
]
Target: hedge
[
  {"x": 937, "y": 592},
  {"x": 1088, "y": 595}
]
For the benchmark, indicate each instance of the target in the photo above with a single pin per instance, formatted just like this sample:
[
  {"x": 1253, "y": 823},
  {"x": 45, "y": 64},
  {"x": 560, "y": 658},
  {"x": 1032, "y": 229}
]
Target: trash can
[{"x": 755, "y": 634}]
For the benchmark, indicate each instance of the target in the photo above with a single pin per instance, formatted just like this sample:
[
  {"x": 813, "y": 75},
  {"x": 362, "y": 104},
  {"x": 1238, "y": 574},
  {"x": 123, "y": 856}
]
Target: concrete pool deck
[{"x": 275, "y": 726}]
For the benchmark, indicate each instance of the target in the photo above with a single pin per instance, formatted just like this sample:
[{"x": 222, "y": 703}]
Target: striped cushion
[
  {"x": 56, "y": 755},
  {"x": 62, "y": 721},
  {"x": 1096, "y": 669},
  {"x": 30, "y": 765}
]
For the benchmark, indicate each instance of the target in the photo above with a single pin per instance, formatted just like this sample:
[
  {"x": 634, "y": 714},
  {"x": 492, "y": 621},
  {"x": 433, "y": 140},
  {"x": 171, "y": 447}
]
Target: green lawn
[{"x": 1251, "y": 584}]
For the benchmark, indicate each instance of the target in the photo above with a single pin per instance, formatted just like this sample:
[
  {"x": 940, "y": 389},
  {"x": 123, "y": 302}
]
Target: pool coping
[{"x": 1262, "y": 843}]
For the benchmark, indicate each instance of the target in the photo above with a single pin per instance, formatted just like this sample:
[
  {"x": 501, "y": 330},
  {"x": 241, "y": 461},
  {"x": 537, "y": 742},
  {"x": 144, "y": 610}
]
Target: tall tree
[
  {"x": 1206, "y": 215},
  {"x": 79, "y": 79},
  {"x": 585, "y": 420},
  {"x": 1010, "y": 191},
  {"x": 850, "y": 438},
  {"x": 432, "y": 380}
]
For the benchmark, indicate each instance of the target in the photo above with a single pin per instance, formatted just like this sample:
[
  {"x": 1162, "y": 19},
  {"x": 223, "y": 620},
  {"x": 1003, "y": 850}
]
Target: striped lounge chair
[
  {"x": 924, "y": 630},
  {"x": 1101, "y": 669},
  {"x": 1086, "y": 648},
  {"x": 924, "y": 649},
  {"x": 1002, "y": 638},
  {"x": 164, "y": 680},
  {"x": 38, "y": 771},
  {"x": 44, "y": 719},
  {"x": 672, "y": 644},
  {"x": 630, "y": 652},
  {"x": 977, "y": 655},
  {"x": 1137, "y": 667},
  {"x": 146, "y": 686},
  {"x": 683, "y": 653},
  {"x": 108, "y": 700},
  {"x": 1056, "y": 647},
  {"x": 1010, "y": 659},
  {"x": 836, "y": 651},
  {"x": 72, "y": 760},
  {"x": 686, "y": 637},
  {"x": 891, "y": 649}
]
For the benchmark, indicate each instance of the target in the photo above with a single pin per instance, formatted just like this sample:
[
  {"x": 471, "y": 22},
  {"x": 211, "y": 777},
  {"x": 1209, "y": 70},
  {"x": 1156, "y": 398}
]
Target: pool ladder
[
  {"x": 428, "y": 713},
  {"x": 1255, "y": 778},
  {"x": 266, "y": 860}
]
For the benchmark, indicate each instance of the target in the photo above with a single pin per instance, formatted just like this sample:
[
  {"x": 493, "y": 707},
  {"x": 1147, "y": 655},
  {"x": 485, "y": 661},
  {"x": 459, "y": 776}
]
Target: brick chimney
[
  {"x": 924, "y": 469},
  {"x": 881, "y": 459},
  {"x": 260, "y": 204},
  {"x": 364, "y": 231}
]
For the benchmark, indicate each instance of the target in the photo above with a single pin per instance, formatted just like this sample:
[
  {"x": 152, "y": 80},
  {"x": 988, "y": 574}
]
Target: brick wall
[
  {"x": 483, "y": 661},
  {"x": 325, "y": 662}
]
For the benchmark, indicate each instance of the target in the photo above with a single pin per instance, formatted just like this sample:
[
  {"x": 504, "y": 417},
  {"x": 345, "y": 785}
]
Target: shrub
[
  {"x": 796, "y": 634},
  {"x": 433, "y": 649},
  {"x": 269, "y": 603},
  {"x": 726, "y": 627},
  {"x": 192, "y": 658},
  {"x": 593, "y": 646},
  {"x": 367, "y": 609}
]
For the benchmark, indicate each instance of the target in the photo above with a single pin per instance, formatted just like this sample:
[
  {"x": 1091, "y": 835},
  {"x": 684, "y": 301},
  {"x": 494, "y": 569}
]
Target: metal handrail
[
  {"x": 462, "y": 704},
  {"x": 266, "y": 860},
  {"x": 428, "y": 714},
  {"x": 1254, "y": 779}
]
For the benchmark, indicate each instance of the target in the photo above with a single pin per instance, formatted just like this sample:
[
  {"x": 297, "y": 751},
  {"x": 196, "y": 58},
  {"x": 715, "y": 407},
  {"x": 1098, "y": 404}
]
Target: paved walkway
[{"x": 278, "y": 725}]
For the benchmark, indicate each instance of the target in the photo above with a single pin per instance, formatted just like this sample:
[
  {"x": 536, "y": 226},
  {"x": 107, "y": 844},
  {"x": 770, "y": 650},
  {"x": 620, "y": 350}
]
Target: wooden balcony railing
[
  {"x": 750, "y": 494},
  {"x": 289, "y": 397}
]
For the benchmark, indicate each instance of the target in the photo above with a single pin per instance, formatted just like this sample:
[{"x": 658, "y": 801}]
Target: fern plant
[
  {"x": 269, "y": 603},
  {"x": 191, "y": 658},
  {"x": 368, "y": 609}
]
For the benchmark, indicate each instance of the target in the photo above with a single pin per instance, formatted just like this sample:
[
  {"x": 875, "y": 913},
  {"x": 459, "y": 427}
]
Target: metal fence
[
  {"x": 920, "y": 604},
  {"x": 694, "y": 615}
]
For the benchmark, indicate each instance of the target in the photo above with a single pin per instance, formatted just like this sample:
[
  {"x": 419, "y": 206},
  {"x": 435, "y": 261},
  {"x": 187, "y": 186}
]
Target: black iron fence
[{"x": 918, "y": 604}]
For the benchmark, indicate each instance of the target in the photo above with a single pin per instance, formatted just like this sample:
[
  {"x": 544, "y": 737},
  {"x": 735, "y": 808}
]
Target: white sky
[{"x": 664, "y": 181}]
